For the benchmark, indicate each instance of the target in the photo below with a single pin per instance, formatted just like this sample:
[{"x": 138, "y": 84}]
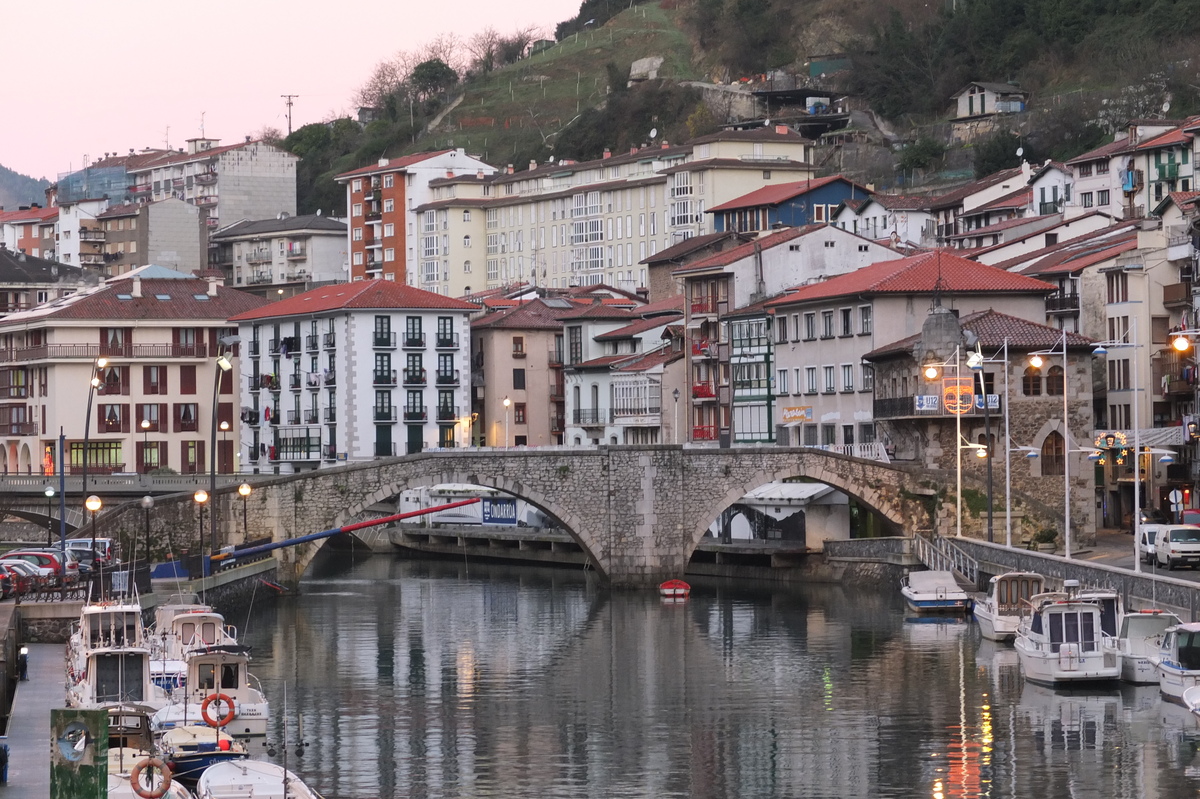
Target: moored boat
[
  {"x": 1139, "y": 639},
  {"x": 999, "y": 610},
  {"x": 674, "y": 589},
  {"x": 1060, "y": 641},
  {"x": 219, "y": 692},
  {"x": 934, "y": 592},
  {"x": 251, "y": 779},
  {"x": 1178, "y": 662},
  {"x": 192, "y": 748}
]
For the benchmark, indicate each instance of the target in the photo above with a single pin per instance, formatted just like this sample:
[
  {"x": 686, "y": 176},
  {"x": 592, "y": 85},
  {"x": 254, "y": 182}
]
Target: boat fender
[
  {"x": 135, "y": 778},
  {"x": 223, "y": 745},
  {"x": 212, "y": 699}
]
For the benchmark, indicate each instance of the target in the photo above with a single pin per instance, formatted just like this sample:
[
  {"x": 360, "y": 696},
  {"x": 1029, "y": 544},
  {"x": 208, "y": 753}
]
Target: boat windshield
[
  {"x": 1186, "y": 535},
  {"x": 1189, "y": 650}
]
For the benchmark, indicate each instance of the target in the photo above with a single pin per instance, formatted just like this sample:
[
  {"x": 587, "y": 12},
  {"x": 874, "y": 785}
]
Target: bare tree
[
  {"x": 384, "y": 80},
  {"x": 512, "y": 48},
  {"x": 482, "y": 48},
  {"x": 269, "y": 134}
]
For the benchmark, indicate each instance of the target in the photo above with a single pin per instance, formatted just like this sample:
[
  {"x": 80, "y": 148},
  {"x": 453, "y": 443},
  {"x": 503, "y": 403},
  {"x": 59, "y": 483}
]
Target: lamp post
[
  {"x": 244, "y": 491},
  {"x": 145, "y": 445},
  {"x": 223, "y": 365},
  {"x": 507, "y": 403},
  {"x": 1102, "y": 349},
  {"x": 675, "y": 424},
  {"x": 931, "y": 371},
  {"x": 49, "y": 492},
  {"x": 1037, "y": 361},
  {"x": 93, "y": 384},
  {"x": 200, "y": 497},
  {"x": 147, "y": 503},
  {"x": 93, "y": 504}
]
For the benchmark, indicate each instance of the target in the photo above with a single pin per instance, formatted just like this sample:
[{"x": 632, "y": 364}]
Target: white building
[
  {"x": 293, "y": 251},
  {"x": 353, "y": 371}
]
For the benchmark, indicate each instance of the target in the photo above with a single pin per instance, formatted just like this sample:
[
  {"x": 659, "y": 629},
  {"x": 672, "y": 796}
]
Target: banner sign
[
  {"x": 800, "y": 413},
  {"x": 500, "y": 511}
]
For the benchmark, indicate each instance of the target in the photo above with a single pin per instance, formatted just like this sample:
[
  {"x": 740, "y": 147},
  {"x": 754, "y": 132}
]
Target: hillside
[{"x": 17, "y": 189}]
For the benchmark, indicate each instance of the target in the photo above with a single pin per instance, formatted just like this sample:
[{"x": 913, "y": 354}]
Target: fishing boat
[
  {"x": 1139, "y": 639},
  {"x": 251, "y": 779},
  {"x": 103, "y": 625},
  {"x": 674, "y": 589},
  {"x": 182, "y": 628},
  {"x": 934, "y": 592},
  {"x": 219, "y": 690},
  {"x": 1178, "y": 661},
  {"x": 1060, "y": 642},
  {"x": 999, "y": 610},
  {"x": 135, "y": 770},
  {"x": 190, "y": 749}
]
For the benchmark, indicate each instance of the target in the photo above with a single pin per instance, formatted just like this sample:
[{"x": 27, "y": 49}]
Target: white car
[
  {"x": 45, "y": 574},
  {"x": 1146, "y": 547},
  {"x": 1177, "y": 545}
]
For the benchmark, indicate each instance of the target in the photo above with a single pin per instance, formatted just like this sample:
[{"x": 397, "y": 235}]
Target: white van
[
  {"x": 106, "y": 548},
  {"x": 1177, "y": 544}
]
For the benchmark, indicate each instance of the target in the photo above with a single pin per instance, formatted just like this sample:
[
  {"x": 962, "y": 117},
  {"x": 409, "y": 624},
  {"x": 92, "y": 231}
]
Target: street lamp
[
  {"x": 1037, "y": 361},
  {"x": 675, "y": 424},
  {"x": 200, "y": 497},
  {"x": 147, "y": 503},
  {"x": 1102, "y": 349},
  {"x": 93, "y": 384},
  {"x": 93, "y": 504},
  {"x": 932, "y": 370},
  {"x": 223, "y": 365},
  {"x": 507, "y": 403},
  {"x": 49, "y": 492},
  {"x": 244, "y": 491},
  {"x": 145, "y": 445}
]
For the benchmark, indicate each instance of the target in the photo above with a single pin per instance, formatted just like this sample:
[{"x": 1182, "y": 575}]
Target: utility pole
[{"x": 289, "y": 98}]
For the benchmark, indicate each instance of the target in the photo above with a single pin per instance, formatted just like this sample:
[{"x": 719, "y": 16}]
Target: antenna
[
  {"x": 167, "y": 138},
  {"x": 288, "y": 98},
  {"x": 202, "y": 113}
]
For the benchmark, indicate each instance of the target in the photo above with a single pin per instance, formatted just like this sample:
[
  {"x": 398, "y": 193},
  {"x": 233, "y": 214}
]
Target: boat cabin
[
  {"x": 1182, "y": 645},
  {"x": 107, "y": 626},
  {"x": 1062, "y": 620}
]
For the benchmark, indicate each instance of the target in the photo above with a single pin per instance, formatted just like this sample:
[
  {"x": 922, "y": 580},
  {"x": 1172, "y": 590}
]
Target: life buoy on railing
[
  {"x": 154, "y": 792},
  {"x": 212, "y": 699}
]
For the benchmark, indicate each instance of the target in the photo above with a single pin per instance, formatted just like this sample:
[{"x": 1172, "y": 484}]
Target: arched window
[
  {"x": 466, "y": 241},
  {"x": 1053, "y": 455},
  {"x": 1031, "y": 383},
  {"x": 1054, "y": 381}
]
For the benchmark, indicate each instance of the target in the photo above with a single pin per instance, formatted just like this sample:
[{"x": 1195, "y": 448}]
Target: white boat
[
  {"x": 1139, "y": 639},
  {"x": 1178, "y": 662},
  {"x": 216, "y": 678},
  {"x": 181, "y": 628},
  {"x": 999, "y": 610},
  {"x": 193, "y": 748},
  {"x": 104, "y": 625},
  {"x": 251, "y": 779},
  {"x": 120, "y": 786},
  {"x": 934, "y": 592},
  {"x": 132, "y": 755},
  {"x": 1060, "y": 641}
]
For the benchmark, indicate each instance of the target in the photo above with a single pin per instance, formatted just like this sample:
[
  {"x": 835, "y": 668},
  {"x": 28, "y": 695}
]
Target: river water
[{"x": 425, "y": 680}]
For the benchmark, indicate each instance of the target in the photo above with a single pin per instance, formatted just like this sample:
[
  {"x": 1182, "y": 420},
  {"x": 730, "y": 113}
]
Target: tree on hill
[
  {"x": 627, "y": 118},
  {"x": 433, "y": 78}
]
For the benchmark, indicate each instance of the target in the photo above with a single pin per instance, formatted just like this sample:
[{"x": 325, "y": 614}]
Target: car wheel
[{"x": 1170, "y": 565}]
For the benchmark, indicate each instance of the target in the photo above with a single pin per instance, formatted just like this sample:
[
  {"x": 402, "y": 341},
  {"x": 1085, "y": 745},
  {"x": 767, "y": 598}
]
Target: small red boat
[{"x": 674, "y": 589}]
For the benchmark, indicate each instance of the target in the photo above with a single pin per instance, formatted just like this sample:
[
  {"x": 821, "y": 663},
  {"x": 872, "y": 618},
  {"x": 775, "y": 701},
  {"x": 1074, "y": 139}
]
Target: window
[
  {"x": 818, "y": 213},
  {"x": 358, "y": 234},
  {"x": 1031, "y": 383},
  {"x": 466, "y": 241},
  {"x": 389, "y": 255},
  {"x": 389, "y": 181},
  {"x": 518, "y": 379},
  {"x": 865, "y": 320},
  {"x": 1118, "y": 287},
  {"x": 466, "y": 214},
  {"x": 847, "y": 377},
  {"x": 389, "y": 230},
  {"x": 847, "y": 321},
  {"x": 356, "y": 209},
  {"x": 518, "y": 343},
  {"x": 781, "y": 331},
  {"x": 826, "y": 324},
  {"x": 781, "y": 383},
  {"x": 1085, "y": 199},
  {"x": 810, "y": 379},
  {"x": 389, "y": 206},
  {"x": 356, "y": 186},
  {"x": 1118, "y": 374},
  {"x": 830, "y": 385},
  {"x": 1053, "y": 455},
  {"x": 1085, "y": 170},
  {"x": 518, "y": 413},
  {"x": 810, "y": 326},
  {"x": 1054, "y": 381},
  {"x": 1102, "y": 197},
  {"x": 828, "y": 435},
  {"x": 810, "y": 435}
]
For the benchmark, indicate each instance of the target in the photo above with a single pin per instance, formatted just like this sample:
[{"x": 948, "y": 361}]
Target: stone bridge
[{"x": 637, "y": 511}]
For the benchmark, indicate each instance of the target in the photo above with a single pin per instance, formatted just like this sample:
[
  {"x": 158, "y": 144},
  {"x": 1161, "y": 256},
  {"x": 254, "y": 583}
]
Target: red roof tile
[
  {"x": 647, "y": 361},
  {"x": 735, "y": 254},
  {"x": 1076, "y": 259},
  {"x": 1017, "y": 199},
  {"x": 603, "y": 360},
  {"x": 528, "y": 315},
  {"x": 994, "y": 329},
  {"x": 364, "y": 294},
  {"x": 640, "y": 326},
  {"x": 1169, "y": 139},
  {"x": 392, "y": 164},
  {"x": 1102, "y": 153},
  {"x": 781, "y": 192},
  {"x": 601, "y": 310},
  {"x": 917, "y": 274}
]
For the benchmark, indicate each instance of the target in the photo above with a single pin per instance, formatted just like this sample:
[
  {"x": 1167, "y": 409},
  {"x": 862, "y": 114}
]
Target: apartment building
[
  {"x": 26, "y": 281},
  {"x": 24, "y": 230},
  {"x": 151, "y": 337},
  {"x": 388, "y": 236},
  {"x": 170, "y": 233},
  {"x": 571, "y": 223},
  {"x": 352, "y": 372},
  {"x": 281, "y": 256}
]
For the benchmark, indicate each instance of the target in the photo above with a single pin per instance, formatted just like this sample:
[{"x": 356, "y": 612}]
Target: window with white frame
[
  {"x": 868, "y": 377},
  {"x": 389, "y": 181},
  {"x": 865, "y": 320},
  {"x": 356, "y": 186},
  {"x": 810, "y": 379},
  {"x": 389, "y": 254},
  {"x": 358, "y": 234},
  {"x": 847, "y": 377},
  {"x": 781, "y": 382},
  {"x": 356, "y": 209},
  {"x": 389, "y": 206},
  {"x": 830, "y": 379}
]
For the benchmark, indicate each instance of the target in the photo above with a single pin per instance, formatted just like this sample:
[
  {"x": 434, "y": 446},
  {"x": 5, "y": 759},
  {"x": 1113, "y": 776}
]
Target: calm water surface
[{"x": 427, "y": 680}]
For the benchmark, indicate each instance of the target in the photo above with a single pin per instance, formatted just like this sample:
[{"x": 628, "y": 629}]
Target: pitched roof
[
  {"x": 678, "y": 252},
  {"x": 28, "y": 215},
  {"x": 918, "y": 274},
  {"x": 1102, "y": 153},
  {"x": 359, "y": 295},
  {"x": 956, "y": 196},
  {"x": 17, "y": 268},
  {"x": 1171, "y": 138},
  {"x": 1005, "y": 225},
  {"x": 601, "y": 310},
  {"x": 782, "y": 192},
  {"x": 124, "y": 209},
  {"x": 1117, "y": 228},
  {"x": 995, "y": 330},
  {"x": 997, "y": 88},
  {"x": 1176, "y": 198},
  {"x": 1071, "y": 260},
  {"x": 735, "y": 254},
  {"x": 666, "y": 305},
  {"x": 761, "y": 134},
  {"x": 1017, "y": 199},
  {"x": 392, "y": 165},
  {"x": 596, "y": 363},
  {"x": 262, "y": 227},
  {"x": 897, "y": 202},
  {"x": 183, "y": 158},
  {"x": 777, "y": 165},
  {"x": 640, "y": 326},
  {"x": 536, "y": 314},
  {"x": 644, "y": 362}
]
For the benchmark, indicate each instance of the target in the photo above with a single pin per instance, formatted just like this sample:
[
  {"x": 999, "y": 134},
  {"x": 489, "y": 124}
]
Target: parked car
[
  {"x": 74, "y": 568},
  {"x": 59, "y": 571},
  {"x": 25, "y": 577},
  {"x": 1177, "y": 545},
  {"x": 1149, "y": 534},
  {"x": 1189, "y": 516},
  {"x": 8, "y": 585},
  {"x": 106, "y": 549},
  {"x": 1152, "y": 516},
  {"x": 42, "y": 575}
]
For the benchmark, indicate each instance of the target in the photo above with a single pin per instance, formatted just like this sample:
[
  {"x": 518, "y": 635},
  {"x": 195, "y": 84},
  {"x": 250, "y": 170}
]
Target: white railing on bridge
[
  {"x": 120, "y": 483},
  {"x": 940, "y": 554},
  {"x": 874, "y": 451}
]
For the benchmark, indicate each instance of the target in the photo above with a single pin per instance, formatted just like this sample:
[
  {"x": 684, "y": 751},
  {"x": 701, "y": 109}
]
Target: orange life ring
[
  {"x": 221, "y": 722},
  {"x": 135, "y": 778}
]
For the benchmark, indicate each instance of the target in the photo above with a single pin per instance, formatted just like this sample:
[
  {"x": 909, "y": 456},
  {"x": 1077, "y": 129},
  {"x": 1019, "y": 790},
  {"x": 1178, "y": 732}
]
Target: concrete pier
[{"x": 28, "y": 733}]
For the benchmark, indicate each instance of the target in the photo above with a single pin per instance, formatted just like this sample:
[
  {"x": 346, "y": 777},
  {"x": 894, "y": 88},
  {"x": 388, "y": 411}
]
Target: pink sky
[{"x": 88, "y": 77}]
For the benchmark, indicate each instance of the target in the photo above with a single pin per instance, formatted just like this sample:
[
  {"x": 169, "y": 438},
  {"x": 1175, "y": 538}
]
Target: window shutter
[
  {"x": 125, "y": 417},
  {"x": 125, "y": 380},
  {"x": 200, "y": 467},
  {"x": 162, "y": 417},
  {"x": 187, "y": 379},
  {"x": 175, "y": 418},
  {"x": 225, "y": 413}
]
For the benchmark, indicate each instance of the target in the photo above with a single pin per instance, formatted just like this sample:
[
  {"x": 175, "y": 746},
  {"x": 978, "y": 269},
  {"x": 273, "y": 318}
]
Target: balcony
[
  {"x": 701, "y": 348},
  {"x": 1062, "y": 303},
  {"x": 447, "y": 413},
  {"x": 176, "y": 182},
  {"x": 258, "y": 256},
  {"x": 385, "y": 413},
  {"x": 294, "y": 381},
  {"x": 446, "y": 342},
  {"x": 384, "y": 377},
  {"x": 704, "y": 433},
  {"x": 212, "y": 222},
  {"x": 259, "y": 278},
  {"x": 293, "y": 417},
  {"x": 558, "y": 392},
  {"x": 141, "y": 189},
  {"x": 704, "y": 305},
  {"x": 414, "y": 341},
  {"x": 1177, "y": 295},
  {"x": 1049, "y": 208},
  {"x": 185, "y": 425},
  {"x": 330, "y": 415},
  {"x": 591, "y": 417},
  {"x": 1176, "y": 386},
  {"x": 929, "y": 405},
  {"x": 297, "y": 251},
  {"x": 330, "y": 379},
  {"x": 384, "y": 340},
  {"x": 646, "y": 414},
  {"x": 91, "y": 234},
  {"x": 372, "y": 216},
  {"x": 14, "y": 392},
  {"x": 22, "y": 428},
  {"x": 264, "y": 381},
  {"x": 91, "y": 258},
  {"x": 414, "y": 413},
  {"x": 447, "y": 378},
  {"x": 704, "y": 391},
  {"x": 330, "y": 451},
  {"x": 206, "y": 178},
  {"x": 329, "y": 341},
  {"x": 311, "y": 416},
  {"x": 414, "y": 377},
  {"x": 250, "y": 417},
  {"x": 557, "y": 423},
  {"x": 554, "y": 358},
  {"x": 312, "y": 343},
  {"x": 206, "y": 200},
  {"x": 1168, "y": 172}
]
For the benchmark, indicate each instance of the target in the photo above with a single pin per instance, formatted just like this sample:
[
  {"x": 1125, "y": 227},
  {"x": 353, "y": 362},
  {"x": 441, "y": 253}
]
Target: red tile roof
[
  {"x": 29, "y": 215},
  {"x": 601, "y": 310},
  {"x": 654, "y": 358},
  {"x": 735, "y": 254},
  {"x": 640, "y": 326},
  {"x": 1171, "y": 138},
  {"x": 533, "y": 314},
  {"x": 1102, "y": 153},
  {"x": 603, "y": 360},
  {"x": 956, "y": 196},
  {"x": 917, "y": 274},
  {"x": 677, "y": 252},
  {"x": 667, "y": 305},
  {"x": 1090, "y": 239},
  {"x": 392, "y": 165},
  {"x": 364, "y": 294},
  {"x": 1017, "y": 199},
  {"x": 781, "y": 192},
  {"x": 994, "y": 329},
  {"x": 1073, "y": 260}
]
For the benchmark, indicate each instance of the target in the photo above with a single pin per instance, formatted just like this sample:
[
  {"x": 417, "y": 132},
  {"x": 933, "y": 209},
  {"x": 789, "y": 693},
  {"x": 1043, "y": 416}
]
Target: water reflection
[{"x": 425, "y": 679}]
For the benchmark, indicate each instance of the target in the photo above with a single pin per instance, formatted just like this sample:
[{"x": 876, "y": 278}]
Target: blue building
[{"x": 804, "y": 202}]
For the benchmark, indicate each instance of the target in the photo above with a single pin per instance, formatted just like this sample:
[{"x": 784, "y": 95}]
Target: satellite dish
[
  {"x": 1166, "y": 106},
  {"x": 653, "y": 132},
  {"x": 1020, "y": 151}
]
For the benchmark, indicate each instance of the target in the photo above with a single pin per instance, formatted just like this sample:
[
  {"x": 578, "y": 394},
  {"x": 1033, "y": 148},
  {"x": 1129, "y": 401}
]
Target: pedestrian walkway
[{"x": 28, "y": 734}]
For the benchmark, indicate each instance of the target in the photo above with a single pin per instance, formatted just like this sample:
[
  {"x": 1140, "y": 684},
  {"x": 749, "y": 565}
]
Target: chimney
[
  {"x": 137, "y": 287},
  {"x": 607, "y": 153},
  {"x": 478, "y": 176},
  {"x": 213, "y": 282},
  {"x": 532, "y": 164},
  {"x": 383, "y": 162},
  {"x": 508, "y": 169},
  {"x": 665, "y": 145},
  {"x": 782, "y": 130},
  {"x": 633, "y": 149},
  {"x": 449, "y": 173}
]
